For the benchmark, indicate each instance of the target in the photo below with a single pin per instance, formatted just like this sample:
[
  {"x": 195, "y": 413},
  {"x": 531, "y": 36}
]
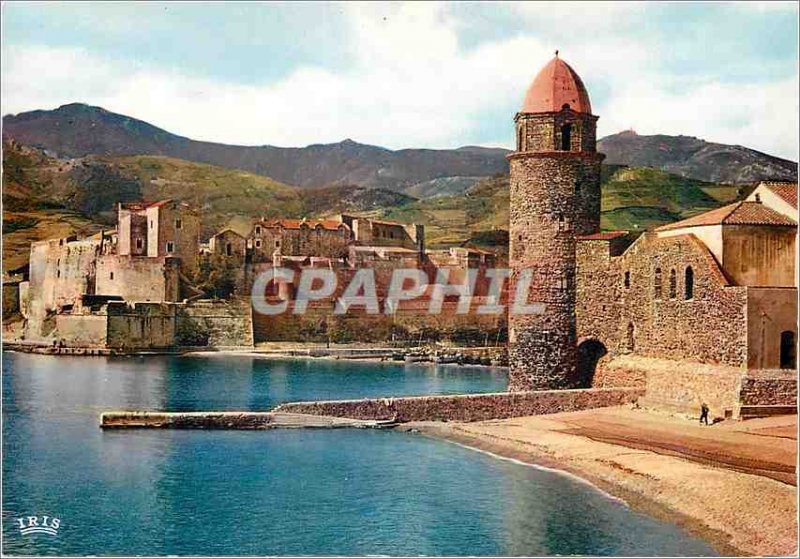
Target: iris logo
[{"x": 29, "y": 525}]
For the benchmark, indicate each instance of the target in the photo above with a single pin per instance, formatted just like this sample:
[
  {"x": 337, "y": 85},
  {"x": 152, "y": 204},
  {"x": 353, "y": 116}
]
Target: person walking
[{"x": 704, "y": 414}]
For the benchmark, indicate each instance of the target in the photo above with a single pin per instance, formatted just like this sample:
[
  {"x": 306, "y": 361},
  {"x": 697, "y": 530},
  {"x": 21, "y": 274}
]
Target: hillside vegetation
[{"x": 45, "y": 197}]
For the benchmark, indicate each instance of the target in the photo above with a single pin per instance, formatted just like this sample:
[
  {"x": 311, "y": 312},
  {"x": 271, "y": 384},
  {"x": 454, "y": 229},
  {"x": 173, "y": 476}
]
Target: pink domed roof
[{"x": 556, "y": 85}]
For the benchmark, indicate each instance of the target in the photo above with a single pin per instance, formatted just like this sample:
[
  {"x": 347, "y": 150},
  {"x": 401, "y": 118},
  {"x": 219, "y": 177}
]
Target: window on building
[
  {"x": 562, "y": 283},
  {"x": 521, "y": 139},
  {"x": 258, "y": 229},
  {"x": 277, "y": 244},
  {"x": 627, "y": 280},
  {"x": 688, "y": 283},
  {"x": 151, "y": 224},
  {"x": 170, "y": 247},
  {"x": 657, "y": 283},
  {"x": 788, "y": 350},
  {"x": 566, "y": 137},
  {"x": 563, "y": 223},
  {"x": 258, "y": 243},
  {"x": 228, "y": 249},
  {"x": 111, "y": 275},
  {"x": 139, "y": 244},
  {"x": 630, "y": 338},
  {"x": 178, "y": 224},
  {"x": 673, "y": 284}
]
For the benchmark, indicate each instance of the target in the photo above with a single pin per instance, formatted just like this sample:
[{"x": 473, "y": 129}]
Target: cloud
[{"x": 412, "y": 83}]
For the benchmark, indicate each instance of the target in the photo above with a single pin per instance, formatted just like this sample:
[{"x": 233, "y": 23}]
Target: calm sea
[{"x": 292, "y": 492}]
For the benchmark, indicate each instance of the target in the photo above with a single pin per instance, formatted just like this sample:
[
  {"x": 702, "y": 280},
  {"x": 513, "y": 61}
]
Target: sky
[{"x": 436, "y": 75}]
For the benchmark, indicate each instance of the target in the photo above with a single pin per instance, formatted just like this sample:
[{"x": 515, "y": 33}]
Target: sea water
[{"x": 280, "y": 492}]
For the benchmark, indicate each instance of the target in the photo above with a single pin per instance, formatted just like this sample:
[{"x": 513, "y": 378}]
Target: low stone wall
[
  {"x": 469, "y": 407},
  {"x": 186, "y": 420},
  {"x": 683, "y": 386},
  {"x": 776, "y": 391}
]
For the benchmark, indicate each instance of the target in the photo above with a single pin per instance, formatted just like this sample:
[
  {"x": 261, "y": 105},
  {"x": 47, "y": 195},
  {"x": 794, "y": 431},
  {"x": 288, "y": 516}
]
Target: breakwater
[
  {"x": 468, "y": 407},
  {"x": 230, "y": 420}
]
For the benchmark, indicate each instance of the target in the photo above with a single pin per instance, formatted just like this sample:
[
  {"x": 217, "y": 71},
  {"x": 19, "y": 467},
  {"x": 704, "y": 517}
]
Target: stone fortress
[{"x": 702, "y": 310}]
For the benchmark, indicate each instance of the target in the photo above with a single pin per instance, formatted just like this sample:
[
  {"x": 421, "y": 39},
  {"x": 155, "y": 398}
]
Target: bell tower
[{"x": 555, "y": 197}]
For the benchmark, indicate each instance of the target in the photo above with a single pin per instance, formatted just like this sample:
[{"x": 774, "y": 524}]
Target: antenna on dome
[{"x": 556, "y": 53}]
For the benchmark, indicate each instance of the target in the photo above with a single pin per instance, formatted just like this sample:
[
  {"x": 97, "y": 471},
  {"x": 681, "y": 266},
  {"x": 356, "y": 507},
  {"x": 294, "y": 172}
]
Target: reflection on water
[{"x": 294, "y": 492}]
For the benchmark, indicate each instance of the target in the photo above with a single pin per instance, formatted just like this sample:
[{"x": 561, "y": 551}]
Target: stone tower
[{"x": 555, "y": 197}]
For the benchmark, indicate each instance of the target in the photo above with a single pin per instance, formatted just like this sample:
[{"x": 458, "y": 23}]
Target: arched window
[
  {"x": 521, "y": 138},
  {"x": 566, "y": 137},
  {"x": 788, "y": 350},
  {"x": 673, "y": 284},
  {"x": 627, "y": 280},
  {"x": 688, "y": 283},
  {"x": 657, "y": 283}
]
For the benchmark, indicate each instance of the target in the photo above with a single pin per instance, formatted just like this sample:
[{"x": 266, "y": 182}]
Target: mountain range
[
  {"x": 78, "y": 130},
  {"x": 65, "y": 170}
]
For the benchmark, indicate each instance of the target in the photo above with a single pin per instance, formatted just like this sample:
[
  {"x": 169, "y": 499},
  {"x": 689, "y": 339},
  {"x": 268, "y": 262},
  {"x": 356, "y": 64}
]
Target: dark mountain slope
[
  {"x": 78, "y": 130},
  {"x": 694, "y": 158}
]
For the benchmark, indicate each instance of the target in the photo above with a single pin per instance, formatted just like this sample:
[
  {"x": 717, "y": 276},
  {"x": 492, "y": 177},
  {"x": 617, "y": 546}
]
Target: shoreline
[
  {"x": 299, "y": 353},
  {"x": 654, "y": 504}
]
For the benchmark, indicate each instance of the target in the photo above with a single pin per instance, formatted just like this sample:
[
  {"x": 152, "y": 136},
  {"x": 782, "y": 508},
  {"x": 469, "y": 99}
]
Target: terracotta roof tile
[
  {"x": 603, "y": 236},
  {"x": 556, "y": 85},
  {"x": 738, "y": 213},
  {"x": 328, "y": 224},
  {"x": 785, "y": 190}
]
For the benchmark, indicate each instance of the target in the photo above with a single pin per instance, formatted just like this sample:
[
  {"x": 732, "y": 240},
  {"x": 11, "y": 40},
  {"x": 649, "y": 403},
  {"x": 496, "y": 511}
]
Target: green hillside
[
  {"x": 222, "y": 194},
  {"x": 46, "y": 197},
  {"x": 632, "y": 199}
]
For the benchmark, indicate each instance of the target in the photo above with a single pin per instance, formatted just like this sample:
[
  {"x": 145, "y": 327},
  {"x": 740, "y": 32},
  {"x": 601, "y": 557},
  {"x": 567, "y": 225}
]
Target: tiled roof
[
  {"x": 738, "y": 213},
  {"x": 604, "y": 236},
  {"x": 329, "y": 224},
  {"x": 785, "y": 190},
  {"x": 160, "y": 203}
]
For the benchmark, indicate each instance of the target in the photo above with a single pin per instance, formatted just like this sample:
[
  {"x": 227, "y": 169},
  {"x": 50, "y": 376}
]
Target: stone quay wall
[
  {"x": 467, "y": 407},
  {"x": 215, "y": 323}
]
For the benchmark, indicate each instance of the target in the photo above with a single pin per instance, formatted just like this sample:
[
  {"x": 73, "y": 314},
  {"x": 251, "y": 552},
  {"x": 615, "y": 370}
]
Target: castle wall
[
  {"x": 138, "y": 278},
  {"x": 410, "y": 320},
  {"x": 81, "y": 330},
  {"x": 140, "y": 326},
  {"x": 218, "y": 323}
]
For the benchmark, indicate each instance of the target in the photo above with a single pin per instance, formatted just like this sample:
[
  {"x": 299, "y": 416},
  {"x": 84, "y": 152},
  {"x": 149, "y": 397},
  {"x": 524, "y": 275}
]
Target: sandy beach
[{"x": 734, "y": 483}]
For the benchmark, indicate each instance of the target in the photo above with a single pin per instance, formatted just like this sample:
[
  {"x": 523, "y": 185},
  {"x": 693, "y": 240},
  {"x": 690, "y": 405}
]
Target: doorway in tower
[{"x": 590, "y": 351}]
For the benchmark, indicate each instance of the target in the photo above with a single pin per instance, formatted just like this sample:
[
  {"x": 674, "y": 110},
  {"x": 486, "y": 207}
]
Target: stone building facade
[
  {"x": 555, "y": 196},
  {"x": 298, "y": 237}
]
